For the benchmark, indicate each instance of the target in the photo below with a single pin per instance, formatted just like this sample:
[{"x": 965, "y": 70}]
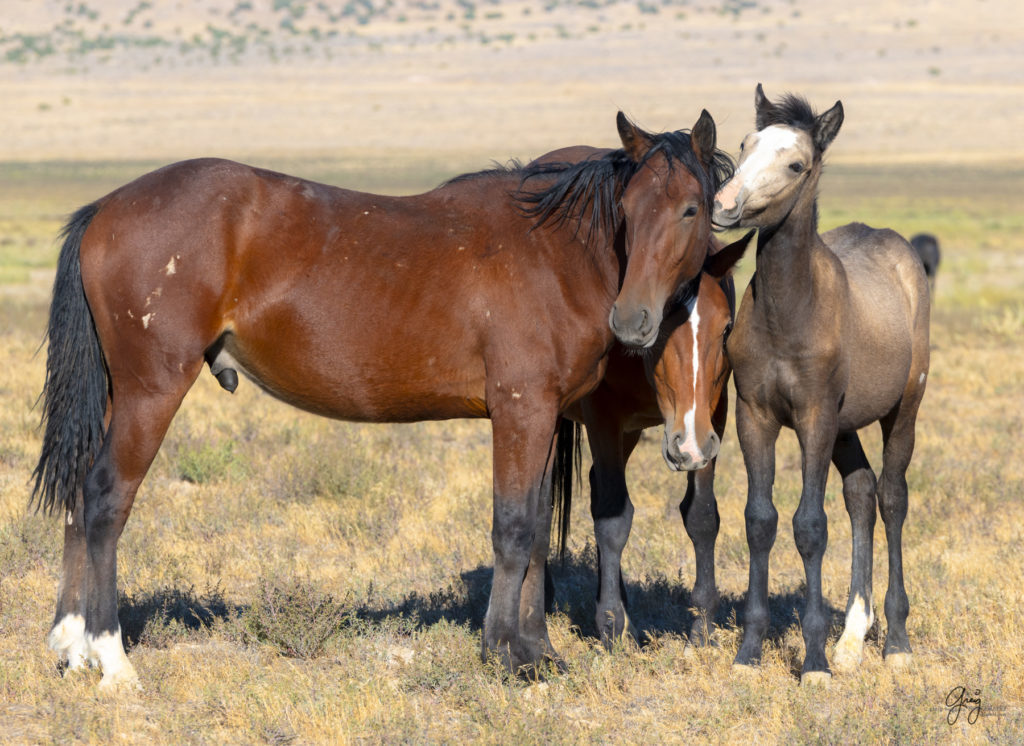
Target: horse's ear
[
  {"x": 719, "y": 264},
  {"x": 763, "y": 108},
  {"x": 702, "y": 139},
  {"x": 826, "y": 127},
  {"x": 635, "y": 141}
]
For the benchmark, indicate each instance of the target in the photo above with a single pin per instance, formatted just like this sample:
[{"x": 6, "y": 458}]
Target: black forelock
[
  {"x": 677, "y": 146},
  {"x": 791, "y": 110}
]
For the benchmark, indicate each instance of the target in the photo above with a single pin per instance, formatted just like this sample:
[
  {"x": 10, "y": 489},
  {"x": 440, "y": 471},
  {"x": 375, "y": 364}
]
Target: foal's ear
[
  {"x": 763, "y": 108},
  {"x": 826, "y": 127},
  {"x": 720, "y": 264},
  {"x": 702, "y": 139},
  {"x": 635, "y": 141}
]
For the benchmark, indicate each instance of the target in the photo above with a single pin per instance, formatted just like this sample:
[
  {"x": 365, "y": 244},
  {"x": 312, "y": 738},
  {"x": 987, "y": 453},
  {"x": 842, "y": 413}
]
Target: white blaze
[
  {"x": 689, "y": 419},
  {"x": 770, "y": 142}
]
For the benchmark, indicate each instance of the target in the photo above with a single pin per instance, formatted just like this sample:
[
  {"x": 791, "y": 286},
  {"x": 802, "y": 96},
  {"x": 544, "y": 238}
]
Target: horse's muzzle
[
  {"x": 639, "y": 329},
  {"x": 682, "y": 454}
]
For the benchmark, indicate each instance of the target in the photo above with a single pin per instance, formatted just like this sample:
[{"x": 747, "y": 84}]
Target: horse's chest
[{"x": 784, "y": 379}]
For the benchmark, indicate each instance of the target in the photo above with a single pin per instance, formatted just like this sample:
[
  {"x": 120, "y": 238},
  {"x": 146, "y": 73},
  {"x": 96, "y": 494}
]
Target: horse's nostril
[{"x": 712, "y": 446}]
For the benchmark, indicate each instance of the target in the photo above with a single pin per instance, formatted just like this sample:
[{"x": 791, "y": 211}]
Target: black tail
[
  {"x": 75, "y": 392},
  {"x": 567, "y": 459}
]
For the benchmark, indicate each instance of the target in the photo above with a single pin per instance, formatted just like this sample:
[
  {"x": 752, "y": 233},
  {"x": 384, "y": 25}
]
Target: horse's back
[
  {"x": 888, "y": 322},
  {"x": 881, "y": 267}
]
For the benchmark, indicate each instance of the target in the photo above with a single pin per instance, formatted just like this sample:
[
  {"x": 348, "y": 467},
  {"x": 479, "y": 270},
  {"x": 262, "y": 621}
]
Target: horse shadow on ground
[{"x": 657, "y": 605}]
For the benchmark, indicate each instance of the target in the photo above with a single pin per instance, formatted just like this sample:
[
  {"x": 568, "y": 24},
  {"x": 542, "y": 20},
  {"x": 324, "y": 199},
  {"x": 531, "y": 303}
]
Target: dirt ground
[{"x": 921, "y": 80}]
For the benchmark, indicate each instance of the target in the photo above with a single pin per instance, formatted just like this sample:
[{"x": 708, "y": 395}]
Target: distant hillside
[{"x": 243, "y": 32}]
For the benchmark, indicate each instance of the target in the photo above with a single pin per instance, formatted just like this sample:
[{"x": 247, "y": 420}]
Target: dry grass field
[{"x": 288, "y": 579}]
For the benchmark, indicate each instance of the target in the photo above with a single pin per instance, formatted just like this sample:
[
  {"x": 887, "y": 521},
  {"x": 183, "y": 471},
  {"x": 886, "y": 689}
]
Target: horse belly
[{"x": 345, "y": 379}]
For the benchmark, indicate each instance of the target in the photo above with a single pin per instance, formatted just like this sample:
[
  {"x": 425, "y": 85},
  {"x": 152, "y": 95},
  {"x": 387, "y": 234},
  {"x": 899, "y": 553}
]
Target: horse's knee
[
  {"x": 810, "y": 532},
  {"x": 512, "y": 535},
  {"x": 762, "y": 521}
]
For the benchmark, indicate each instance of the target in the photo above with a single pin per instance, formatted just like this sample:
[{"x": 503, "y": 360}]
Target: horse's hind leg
[
  {"x": 898, "y": 448},
  {"x": 137, "y": 427},
  {"x": 67, "y": 636},
  {"x": 859, "y": 495}
]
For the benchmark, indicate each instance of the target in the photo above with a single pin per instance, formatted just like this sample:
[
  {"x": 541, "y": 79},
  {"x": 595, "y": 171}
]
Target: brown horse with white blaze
[
  {"x": 680, "y": 381},
  {"x": 831, "y": 336},
  {"x": 466, "y": 301}
]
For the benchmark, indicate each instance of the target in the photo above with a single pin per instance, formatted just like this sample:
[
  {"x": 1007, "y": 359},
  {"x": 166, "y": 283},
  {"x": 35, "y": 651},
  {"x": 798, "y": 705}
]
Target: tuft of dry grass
[{"x": 287, "y": 579}]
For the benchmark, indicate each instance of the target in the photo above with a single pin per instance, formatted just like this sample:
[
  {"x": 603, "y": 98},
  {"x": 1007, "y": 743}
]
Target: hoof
[
  {"x": 816, "y": 678},
  {"x": 899, "y": 661},
  {"x": 123, "y": 680},
  {"x": 848, "y": 654},
  {"x": 745, "y": 671}
]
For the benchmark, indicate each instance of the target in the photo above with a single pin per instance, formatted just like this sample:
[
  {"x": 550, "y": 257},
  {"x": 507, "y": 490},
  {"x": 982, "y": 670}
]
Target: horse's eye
[
  {"x": 796, "y": 167},
  {"x": 690, "y": 211},
  {"x": 728, "y": 330}
]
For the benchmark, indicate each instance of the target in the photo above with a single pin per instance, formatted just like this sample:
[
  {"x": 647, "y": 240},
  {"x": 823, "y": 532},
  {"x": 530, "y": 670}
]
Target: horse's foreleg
[
  {"x": 699, "y": 510},
  {"x": 757, "y": 435},
  {"x": 522, "y": 443},
  {"x": 810, "y": 534},
  {"x": 859, "y": 496},
  {"x": 612, "y": 512},
  {"x": 538, "y": 590}
]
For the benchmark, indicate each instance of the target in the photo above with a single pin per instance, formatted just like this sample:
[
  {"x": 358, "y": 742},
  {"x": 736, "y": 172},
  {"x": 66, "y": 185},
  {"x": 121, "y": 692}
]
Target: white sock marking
[{"x": 67, "y": 639}]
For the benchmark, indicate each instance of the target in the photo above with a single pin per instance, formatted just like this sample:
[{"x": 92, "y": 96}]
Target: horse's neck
[{"x": 787, "y": 281}]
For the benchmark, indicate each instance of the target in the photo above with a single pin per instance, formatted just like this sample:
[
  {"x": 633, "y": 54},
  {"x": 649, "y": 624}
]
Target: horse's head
[
  {"x": 777, "y": 162},
  {"x": 690, "y": 373},
  {"x": 666, "y": 208}
]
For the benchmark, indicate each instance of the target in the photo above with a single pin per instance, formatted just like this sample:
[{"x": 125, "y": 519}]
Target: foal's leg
[
  {"x": 897, "y": 450},
  {"x": 699, "y": 509},
  {"x": 757, "y": 434},
  {"x": 810, "y": 533},
  {"x": 612, "y": 512},
  {"x": 522, "y": 442},
  {"x": 137, "y": 428},
  {"x": 859, "y": 496}
]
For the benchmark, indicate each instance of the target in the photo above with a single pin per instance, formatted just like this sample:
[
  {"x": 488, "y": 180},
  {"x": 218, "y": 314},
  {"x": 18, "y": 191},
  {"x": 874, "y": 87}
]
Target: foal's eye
[
  {"x": 690, "y": 211},
  {"x": 796, "y": 167}
]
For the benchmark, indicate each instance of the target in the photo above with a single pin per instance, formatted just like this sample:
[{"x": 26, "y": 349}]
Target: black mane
[
  {"x": 597, "y": 184},
  {"x": 496, "y": 171},
  {"x": 790, "y": 110}
]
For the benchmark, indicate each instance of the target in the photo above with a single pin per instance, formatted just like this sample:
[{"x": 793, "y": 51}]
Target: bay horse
[
  {"x": 831, "y": 336},
  {"x": 460, "y": 302}
]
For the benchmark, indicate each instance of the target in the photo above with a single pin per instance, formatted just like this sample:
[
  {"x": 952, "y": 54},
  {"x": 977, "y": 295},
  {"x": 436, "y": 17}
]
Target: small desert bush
[{"x": 296, "y": 618}]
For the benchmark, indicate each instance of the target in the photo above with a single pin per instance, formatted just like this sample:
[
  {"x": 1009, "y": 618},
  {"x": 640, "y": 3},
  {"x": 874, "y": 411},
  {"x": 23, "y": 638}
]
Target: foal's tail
[
  {"x": 75, "y": 392},
  {"x": 567, "y": 459}
]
